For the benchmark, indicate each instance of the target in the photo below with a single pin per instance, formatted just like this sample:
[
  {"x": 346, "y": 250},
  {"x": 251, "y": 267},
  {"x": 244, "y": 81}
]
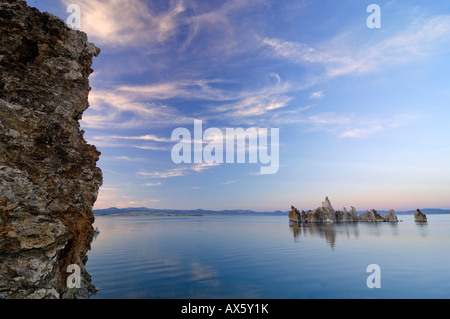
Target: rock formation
[
  {"x": 48, "y": 175},
  {"x": 326, "y": 213},
  {"x": 374, "y": 216},
  {"x": 294, "y": 215},
  {"x": 420, "y": 217},
  {"x": 392, "y": 217},
  {"x": 350, "y": 216}
]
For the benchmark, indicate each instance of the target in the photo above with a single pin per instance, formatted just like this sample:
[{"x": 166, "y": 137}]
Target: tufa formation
[
  {"x": 420, "y": 217},
  {"x": 326, "y": 214},
  {"x": 48, "y": 175}
]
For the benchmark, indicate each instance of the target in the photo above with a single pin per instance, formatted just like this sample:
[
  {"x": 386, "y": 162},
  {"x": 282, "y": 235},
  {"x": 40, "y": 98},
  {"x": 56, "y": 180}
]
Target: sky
[{"x": 362, "y": 112}]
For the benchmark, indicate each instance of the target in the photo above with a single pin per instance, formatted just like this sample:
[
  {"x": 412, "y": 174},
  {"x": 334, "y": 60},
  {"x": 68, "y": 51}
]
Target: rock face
[
  {"x": 420, "y": 217},
  {"x": 326, "y": 213},
  {"x": 48, "y": 175}
]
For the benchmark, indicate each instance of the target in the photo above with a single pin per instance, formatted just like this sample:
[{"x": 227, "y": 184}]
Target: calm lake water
[{"x": 262, "y": 257}]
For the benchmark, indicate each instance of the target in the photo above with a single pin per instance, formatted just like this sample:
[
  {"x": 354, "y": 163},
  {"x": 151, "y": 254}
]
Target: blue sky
[{"x": 362, "y": 113}]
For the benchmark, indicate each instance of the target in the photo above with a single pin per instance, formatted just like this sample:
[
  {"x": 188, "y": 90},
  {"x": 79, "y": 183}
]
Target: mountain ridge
[
  {"x": 145, "y": 210},
  {"x": 242, "y": 212}
]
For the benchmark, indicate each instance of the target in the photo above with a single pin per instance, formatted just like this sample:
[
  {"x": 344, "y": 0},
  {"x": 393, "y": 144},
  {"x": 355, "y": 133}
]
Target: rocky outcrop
[
  {"x": 294, "y": 215},
  {"x": 49, "y": 180},
  {"x": 350, "y": 216},
  {"x": 420, "y": 217},
  {"x": 374, "y": 216},
  {"x": 392, "y": 216},
  {"x": 326, "y": 214}
]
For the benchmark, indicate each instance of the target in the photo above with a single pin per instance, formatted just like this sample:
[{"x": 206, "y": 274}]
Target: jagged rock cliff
[
  {"x": 48, "y": 175},
  {"x": 326, "y": 213}
]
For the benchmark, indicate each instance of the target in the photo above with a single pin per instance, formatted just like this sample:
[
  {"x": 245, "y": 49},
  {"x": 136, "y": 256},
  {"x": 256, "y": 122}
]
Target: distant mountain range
[
  {"x": 430, "y": 211},
  {"x": 144, "y": 211},
  {"x": 196, "y": 212}
]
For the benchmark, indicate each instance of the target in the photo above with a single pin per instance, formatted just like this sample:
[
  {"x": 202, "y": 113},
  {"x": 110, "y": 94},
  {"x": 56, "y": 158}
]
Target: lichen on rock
[{"x": 49, "y": 180}]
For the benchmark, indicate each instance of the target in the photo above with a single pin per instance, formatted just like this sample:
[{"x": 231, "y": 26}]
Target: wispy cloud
[
  {"x": 134, "y": 106},
  {"x": 256, "y": 102},
  {"x": 228, "y": 183},
  {"x": 417, "y": 41},
  {"x": 255, "y": 105},
  {"x": 316, "y": 95},
  {"x": 344, "y": 125},
  {"x": 140, "y": 23},
  {"x": 129, "y": 159},
  {"x": 153, "y": 148},
  {"x": 153, "y": 184},
  {"x": 218, "y": 25},
  {"x": 305, "y": 108},
  {"x": 177, "y": 172},
  {"x": 122, "y": 109},
  {"x": 203, "y": 166},
  {"x": 147, "y": 137},
  {"x": 193, "y": 89},
  {"x": 298, "y": 52},
  {"x": 363, "y": 129},
  {"x": 148, "y": 142},
  {"x": 361, "y": 132},
  {"x": 420, "y": 40},
  {"x": 131, "y": 22}
]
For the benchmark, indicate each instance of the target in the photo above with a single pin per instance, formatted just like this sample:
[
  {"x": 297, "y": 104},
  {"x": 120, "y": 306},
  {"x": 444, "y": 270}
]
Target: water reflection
[
  {"x": 422, "y": 228},
  {"x": 331, "y": 231},
  {"x": 235, "y": 257},
  {"x": 328, "y": 231}
]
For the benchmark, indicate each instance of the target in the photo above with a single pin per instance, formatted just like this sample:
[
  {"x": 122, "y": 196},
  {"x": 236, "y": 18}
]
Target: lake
[{"x": 263, "y": 257}]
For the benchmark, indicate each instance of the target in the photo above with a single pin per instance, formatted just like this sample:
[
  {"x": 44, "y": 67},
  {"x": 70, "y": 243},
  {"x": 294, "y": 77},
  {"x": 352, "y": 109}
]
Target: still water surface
[{"x": 263, "y": 257}]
